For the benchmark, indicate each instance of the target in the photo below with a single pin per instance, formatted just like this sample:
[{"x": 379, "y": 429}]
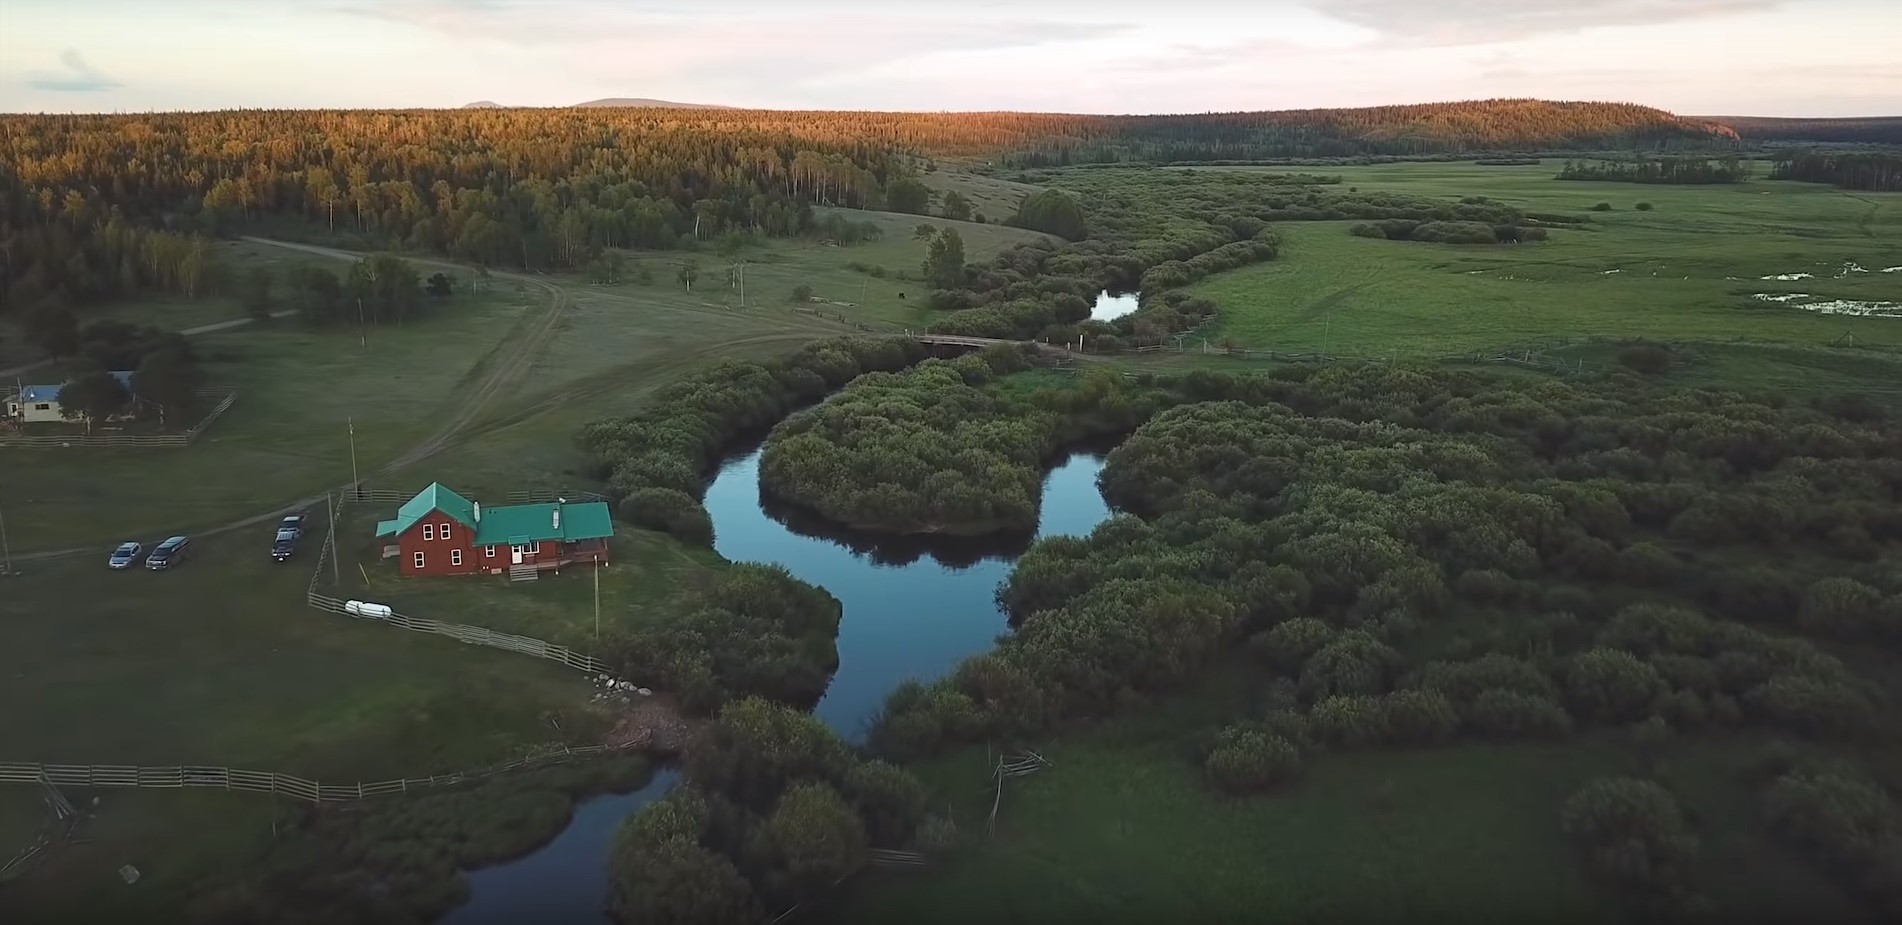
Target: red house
[{"x": 439, "y": 532}]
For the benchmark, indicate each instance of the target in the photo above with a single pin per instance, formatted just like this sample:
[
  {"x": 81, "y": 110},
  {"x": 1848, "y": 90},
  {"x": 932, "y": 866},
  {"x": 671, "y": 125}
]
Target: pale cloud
[
  {"x": 1796, "y": 57},
  {"x": 78, "y": 77},
  {"x": 1471, "y": 22}
]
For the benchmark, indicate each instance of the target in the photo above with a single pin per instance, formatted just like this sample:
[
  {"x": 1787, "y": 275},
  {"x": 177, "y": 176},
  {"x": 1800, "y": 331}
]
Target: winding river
[{"x": 912, "y": 608}]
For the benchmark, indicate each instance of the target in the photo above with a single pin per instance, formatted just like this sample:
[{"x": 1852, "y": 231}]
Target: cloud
[
  {"x": 1472, "y": 22},
  {"x": 79, "y": 77}
]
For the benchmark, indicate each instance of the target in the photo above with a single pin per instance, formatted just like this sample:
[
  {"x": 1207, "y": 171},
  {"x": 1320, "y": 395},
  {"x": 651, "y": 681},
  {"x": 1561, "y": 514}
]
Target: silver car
[{"x": 126, "y": 556}]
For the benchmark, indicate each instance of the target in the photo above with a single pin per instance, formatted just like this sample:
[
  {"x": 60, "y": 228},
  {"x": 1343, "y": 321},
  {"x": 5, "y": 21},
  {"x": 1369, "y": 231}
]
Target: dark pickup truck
[{"x": 289, "y": 531}]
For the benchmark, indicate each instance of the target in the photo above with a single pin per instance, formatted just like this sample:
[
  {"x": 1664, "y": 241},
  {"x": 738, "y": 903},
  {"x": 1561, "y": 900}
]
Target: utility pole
[
  {"x": 6, "y": 548},
  {"x": 356, "y": 484},
  {"x": 330, "y": 515},
  {"x": 597, "y": 604},
  {"x": 742, "y": 300},
  {"x": 363, "y": 334}
]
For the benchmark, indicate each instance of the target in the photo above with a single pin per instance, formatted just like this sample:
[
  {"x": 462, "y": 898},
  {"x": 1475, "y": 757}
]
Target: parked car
[
  {"x": 169, "y": 553},
  {"x": 126, "y": 556},
  {"x": 284, "y": 545}
]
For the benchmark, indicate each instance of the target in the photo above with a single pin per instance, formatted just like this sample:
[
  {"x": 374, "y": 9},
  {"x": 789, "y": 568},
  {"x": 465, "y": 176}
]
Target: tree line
[
  {"x": 1863, "y": 171},
  {"x": 1663, "y": 170}
]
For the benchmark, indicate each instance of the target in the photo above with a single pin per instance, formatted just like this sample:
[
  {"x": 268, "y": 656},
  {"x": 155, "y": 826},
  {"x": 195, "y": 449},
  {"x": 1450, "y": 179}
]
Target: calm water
[
  {"x": 912, "y": 608},
  {"x": 1113, "y": 305}
]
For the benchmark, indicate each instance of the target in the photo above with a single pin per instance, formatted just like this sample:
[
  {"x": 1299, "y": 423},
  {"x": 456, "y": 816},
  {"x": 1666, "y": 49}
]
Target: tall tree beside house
[
  {"x": 389, "y": 287},
  {"x": 169, "y": 380},
  {"x": 93, "y": 397}
]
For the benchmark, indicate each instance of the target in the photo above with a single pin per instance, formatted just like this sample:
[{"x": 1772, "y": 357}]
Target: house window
[
  {"x": 537, "y": 548},
  {"x": 419, "y": 560},
  {"x": 488, "y": 552},
  {"x": 442, "y": 533},
  {"x": 429, "y": 531},
  {"x": 455, "y": 557},
  {"x": 42, "y": 406}
]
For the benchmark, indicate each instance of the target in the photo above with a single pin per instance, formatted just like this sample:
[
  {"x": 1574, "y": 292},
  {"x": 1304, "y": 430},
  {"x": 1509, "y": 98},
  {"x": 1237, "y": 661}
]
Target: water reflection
[{"x": 1112, "y": 305}]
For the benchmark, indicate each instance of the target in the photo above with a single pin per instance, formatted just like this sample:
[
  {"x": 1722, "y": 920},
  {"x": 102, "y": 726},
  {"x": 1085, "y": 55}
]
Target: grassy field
[
  {"x": 1122, "y": 828},
  {"x": 218, "y": 662},
  {"x": 1687, "y": 270}
]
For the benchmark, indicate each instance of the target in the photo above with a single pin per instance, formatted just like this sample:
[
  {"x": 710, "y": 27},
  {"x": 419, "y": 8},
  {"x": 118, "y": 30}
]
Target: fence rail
[
  {"x": 310, "y": 791},
  {"x": 226, "y": 397}
]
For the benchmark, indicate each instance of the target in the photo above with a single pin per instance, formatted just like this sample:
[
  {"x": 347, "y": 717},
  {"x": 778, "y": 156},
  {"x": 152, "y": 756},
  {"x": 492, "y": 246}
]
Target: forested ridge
[
  {"x": 1865, "y": 130},
  {"x": 548, "y": 188}
]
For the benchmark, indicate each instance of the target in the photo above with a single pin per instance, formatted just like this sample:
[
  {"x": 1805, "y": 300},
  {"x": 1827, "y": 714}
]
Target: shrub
[
  {"x": 813, "y": 840},
  {"x": 1507, "y": 714},
  {"x": 1602, "y": 207},
  {"x": 1288, "y": 645},
  {"x": 1354, "y": 663},
  {"x": 802, "y": 293},
  {"x": 1846, "y": 820},
  {"x": 1840, "y": 607},
  {"x": 1350, "y": 721},
  {"x": 1249, "y": 761},
  {"x": 1634, "y": 833},
  {"x": 670, "y": 511},
  {"x": 1610, "y": 685},
  {"x": 1644, "y": 207},
  {"x": 1420, "y": 717}
]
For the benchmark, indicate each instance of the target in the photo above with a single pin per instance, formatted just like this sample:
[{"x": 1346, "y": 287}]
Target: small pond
[{"x": 912, "y": 607}]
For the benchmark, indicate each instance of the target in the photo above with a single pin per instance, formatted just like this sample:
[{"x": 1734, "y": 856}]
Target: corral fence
[
  {"x": 311, "y": 791},
  {"x": 315, "y": 597},
  {"x": 222, "y": 400}
]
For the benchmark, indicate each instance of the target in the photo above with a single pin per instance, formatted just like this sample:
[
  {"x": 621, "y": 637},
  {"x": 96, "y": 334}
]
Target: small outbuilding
[{"x": 39, "y": 404}]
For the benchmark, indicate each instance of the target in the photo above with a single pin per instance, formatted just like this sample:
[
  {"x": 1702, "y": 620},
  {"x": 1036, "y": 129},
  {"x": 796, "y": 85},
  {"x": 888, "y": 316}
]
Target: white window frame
[
  {"x": 418, "y": 560},
  {"x": 442, "y": 532},
  {"x": 455, "y": 557},
  {"x": 429, "y": 532},
  {"x": 488, "y": 552}
]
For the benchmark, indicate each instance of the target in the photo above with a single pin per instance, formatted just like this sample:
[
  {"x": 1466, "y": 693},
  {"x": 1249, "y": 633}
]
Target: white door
[{"x": 515, "y": 554}]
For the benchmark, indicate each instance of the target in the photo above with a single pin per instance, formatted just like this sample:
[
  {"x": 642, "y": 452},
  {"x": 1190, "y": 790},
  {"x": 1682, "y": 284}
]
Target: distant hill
[
  {"x": 612, "y": 102},
  {"x": 1860, "y": 130},
  {"x": 629, "y": 102}
]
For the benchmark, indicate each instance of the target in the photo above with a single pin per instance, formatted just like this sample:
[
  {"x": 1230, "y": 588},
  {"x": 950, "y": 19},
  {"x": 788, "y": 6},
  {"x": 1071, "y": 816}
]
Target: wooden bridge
[{"x": 959, "y": 340}]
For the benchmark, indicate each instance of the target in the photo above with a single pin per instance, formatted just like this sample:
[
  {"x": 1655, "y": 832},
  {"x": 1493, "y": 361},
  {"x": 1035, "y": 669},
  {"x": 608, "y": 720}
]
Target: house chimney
[{"x": 478, "y": 512}]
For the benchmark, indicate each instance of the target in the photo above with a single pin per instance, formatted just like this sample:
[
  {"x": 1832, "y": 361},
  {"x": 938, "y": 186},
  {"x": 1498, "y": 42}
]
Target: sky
[{"x": 1697, "y": 57}]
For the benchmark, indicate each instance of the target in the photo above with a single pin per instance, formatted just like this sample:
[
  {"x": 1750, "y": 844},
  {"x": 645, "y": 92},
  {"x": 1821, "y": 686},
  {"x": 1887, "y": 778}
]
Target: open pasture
[{"x": 1688, "y": 269}]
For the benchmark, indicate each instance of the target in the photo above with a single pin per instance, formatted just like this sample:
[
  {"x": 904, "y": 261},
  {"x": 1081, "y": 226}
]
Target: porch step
[{"x": 524, "y": 573}]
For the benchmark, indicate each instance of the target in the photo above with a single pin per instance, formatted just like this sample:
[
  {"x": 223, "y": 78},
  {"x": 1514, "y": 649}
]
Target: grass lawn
[
  {"x": 1686, "y": 270},
  {"x": 284, "y": 438},
  {"x": 649, "y": 574},
  {"x": 995, "y": 198},
  {"x": 218, "y": 662},
  {"x": 1122, "y": 828}
]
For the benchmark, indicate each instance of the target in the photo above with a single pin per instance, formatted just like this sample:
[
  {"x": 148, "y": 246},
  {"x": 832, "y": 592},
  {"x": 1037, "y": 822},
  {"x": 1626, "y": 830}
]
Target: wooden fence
[
  {"x": 183, "y": 438},
  {"x": 471, "y": 635},
  {"x": 220, "y": 778}
]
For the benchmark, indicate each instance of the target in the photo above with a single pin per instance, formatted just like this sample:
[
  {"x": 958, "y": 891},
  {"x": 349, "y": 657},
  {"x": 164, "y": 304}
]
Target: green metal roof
[
  {"x": 528, "y": 523},
  {"x": 433, "y": 498}
]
